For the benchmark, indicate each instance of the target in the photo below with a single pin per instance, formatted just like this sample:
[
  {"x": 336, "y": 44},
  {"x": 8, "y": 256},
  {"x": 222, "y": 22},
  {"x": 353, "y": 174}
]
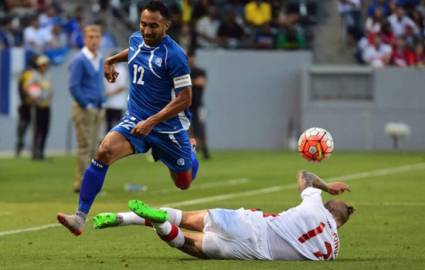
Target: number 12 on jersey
[{"x": 138, "y": 71}]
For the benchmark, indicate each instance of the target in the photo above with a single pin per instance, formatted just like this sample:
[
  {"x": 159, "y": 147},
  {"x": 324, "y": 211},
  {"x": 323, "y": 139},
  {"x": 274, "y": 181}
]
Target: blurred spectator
[
  {"x": 291, "y": 38},
  {"x": 108, "y": 42},
  {"x": 418, "y": 19},
  {"x": 8, "y": 35},
  {"x": 381, "y": 4},
  {"x": 407, "y": 4},
  {"x": 351, "y": 15},
  {"x": 374, "y": 23},
  {"x": 399, "y": 22},
  {"x": 40, "y": 91},
  {"x": 265, "y": 38},
  {"x": 387, "y": 34},
  {"x": 176, "y": 23},
  {"x": 411, "y": 37},
  {"x": 116, "y": 97},
  {"x": 57, "y": 46},
  {"x": 377, "y": 53},
  {"x": 420, "y": 54},
  {"x": 87, "y": 89},
  {"x": 401, "y": 55},
  {"x": 285, "y": 19},
  {"x": 197, "y": 128},
  {"x": 74, "y": 28},
  {"x": 187, "y": 10},
  {"x": 201, "y": 9},
  {"x": 421, "y": 8},
  {"x": 258, "y": 13},
  {"x": 24, "y": 109},
  {"x": 230, "y": 33},
  {"x": 49, "y": 18},
  {"x": 35, "y": 37},
  {"x": 207, "y": 28},
  {"x": 57, "y": 38}
]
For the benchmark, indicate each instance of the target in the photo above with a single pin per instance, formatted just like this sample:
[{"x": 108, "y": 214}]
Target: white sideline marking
[
  {"x": 31, "y": 229},
  {"x": 350, "y": 177}
]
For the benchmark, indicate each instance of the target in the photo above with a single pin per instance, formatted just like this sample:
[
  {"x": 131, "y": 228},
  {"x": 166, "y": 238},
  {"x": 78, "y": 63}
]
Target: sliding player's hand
[
  {"x": 336, "y": 188},
  {"x": 143, "y": 128}
]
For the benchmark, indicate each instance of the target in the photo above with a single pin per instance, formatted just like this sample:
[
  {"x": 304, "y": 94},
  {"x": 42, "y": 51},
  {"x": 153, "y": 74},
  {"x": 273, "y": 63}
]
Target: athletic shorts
[
  {"x": 235, "y": 234},
  {"x": 174, "y": 150}
]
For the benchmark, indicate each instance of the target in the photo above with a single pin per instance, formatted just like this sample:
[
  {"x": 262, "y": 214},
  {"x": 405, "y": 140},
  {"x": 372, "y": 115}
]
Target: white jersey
[
  {"x": 117, "y": 101},
  {"x": 309, "y": 227}
]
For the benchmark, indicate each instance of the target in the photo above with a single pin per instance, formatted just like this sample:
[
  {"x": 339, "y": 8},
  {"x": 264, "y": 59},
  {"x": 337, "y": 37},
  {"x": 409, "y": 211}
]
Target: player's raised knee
[{"x": 104, "y": 153}]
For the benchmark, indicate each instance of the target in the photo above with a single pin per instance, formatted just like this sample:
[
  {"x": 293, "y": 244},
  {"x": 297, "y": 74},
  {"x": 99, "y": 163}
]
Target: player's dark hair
[{"x": 157, "y": 6}]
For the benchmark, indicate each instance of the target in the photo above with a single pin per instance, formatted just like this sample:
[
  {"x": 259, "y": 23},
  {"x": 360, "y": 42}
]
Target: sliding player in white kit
[{"x": 305, "y": 232}]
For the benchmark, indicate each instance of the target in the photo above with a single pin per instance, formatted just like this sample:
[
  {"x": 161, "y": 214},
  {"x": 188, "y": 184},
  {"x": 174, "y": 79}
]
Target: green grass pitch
[{"x": 386, "y": 232}]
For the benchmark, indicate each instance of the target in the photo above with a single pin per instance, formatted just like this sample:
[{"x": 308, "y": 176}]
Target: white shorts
[{"x": 235, "y": 234}]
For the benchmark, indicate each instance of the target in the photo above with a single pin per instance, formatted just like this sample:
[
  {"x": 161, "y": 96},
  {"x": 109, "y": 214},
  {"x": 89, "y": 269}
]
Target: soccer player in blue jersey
[{"x": 158, "y": 118}]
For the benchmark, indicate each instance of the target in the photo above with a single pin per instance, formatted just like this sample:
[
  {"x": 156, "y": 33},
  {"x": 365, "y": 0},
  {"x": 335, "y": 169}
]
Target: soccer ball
[{"x": 315, "y": 144}]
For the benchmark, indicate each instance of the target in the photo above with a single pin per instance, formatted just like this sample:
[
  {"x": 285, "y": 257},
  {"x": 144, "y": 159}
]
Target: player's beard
[{"x": 153, "y": 40}]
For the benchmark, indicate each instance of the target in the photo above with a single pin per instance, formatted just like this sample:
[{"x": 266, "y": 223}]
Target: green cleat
[
  {"x": 104, "y": 220},
  {"x": 145, "y": 211}
]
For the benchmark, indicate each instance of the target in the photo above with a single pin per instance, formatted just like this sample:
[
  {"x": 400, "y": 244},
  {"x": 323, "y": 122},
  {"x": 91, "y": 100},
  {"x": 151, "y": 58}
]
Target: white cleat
[{"x": 73, "y": 223}]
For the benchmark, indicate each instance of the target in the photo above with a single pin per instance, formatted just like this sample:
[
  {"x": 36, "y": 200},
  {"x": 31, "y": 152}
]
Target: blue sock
[
  {"x": 195, "y": 165},
  {"x": 91, "y": 185}
]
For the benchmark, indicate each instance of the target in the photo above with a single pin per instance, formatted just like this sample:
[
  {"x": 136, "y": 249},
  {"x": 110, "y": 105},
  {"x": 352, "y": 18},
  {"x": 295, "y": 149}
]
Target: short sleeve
[
  {"x": 133, "y": 41},
  {"x": 178, "y": 67},
  {"x": 311, "y": 194}
]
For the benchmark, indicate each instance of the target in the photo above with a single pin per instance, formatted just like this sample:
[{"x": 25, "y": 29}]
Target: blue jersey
[{"x": 157, "y": 74}]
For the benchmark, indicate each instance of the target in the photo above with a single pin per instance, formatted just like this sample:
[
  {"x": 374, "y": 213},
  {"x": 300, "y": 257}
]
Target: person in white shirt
[
  {"x": 35, "y": 37},
  {"x": 207, "y": 29},
  {"x": 116, "y": 97},
  {"x": 377, "y": 54},
  {"x": 400, "y": 21},
  {"x": 305, "y": 232}
]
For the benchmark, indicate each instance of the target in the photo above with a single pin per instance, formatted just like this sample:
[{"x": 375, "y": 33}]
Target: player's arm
[
  {"x": 110, "y": 73},
  {"x": 309, "y": 179},
  {"x": 182, "y": 101}
]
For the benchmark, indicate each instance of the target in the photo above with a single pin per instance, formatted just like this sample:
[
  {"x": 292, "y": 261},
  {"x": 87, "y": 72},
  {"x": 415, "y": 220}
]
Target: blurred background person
[
  {"x": 230, "y": 33},
  {"x": 207, "y": 28},
  {"x": 24, "y": 109},
  {"x": 377, "y": 53},
  {"x": 350, "y": 11},
  {"x": 40, "y": 91},
  {"x": 116, "y": 96},
  {"x": 8, "y": 34},
  {"x": 87, "y": 89},
  {"x": 197, "y": 127}
]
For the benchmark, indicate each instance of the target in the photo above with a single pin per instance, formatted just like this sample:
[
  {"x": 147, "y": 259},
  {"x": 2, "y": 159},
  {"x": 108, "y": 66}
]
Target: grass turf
[{"x": 385, "y": 232}]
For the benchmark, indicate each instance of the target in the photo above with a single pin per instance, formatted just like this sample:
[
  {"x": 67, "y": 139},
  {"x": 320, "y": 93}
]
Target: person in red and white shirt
[
  {"x": 305, "y": 232},
  {"x": 377, "y": 53}
]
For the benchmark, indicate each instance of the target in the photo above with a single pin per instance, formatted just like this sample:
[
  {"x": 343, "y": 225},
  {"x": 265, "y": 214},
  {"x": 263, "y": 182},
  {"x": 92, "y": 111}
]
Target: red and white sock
[
  {"x": 130, "y": 218},
  {"x": 170, "y": 233},
  {"x": 174, "y": 215}
]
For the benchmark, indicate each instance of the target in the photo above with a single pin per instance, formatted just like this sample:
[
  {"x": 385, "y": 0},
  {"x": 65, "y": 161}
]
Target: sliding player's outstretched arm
[
  {"x": 109, "y": 65},
  {"x": 309, "y": 179}
]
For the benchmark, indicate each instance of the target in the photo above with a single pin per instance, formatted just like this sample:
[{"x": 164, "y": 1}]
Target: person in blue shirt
[
  {"x": 86, "y": 87},
  {"x": 158, "y": 116}
]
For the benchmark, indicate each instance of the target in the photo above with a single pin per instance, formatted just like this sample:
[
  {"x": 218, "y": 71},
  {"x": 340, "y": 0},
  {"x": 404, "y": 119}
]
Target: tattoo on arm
[{"x": 313, "y": 180}]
